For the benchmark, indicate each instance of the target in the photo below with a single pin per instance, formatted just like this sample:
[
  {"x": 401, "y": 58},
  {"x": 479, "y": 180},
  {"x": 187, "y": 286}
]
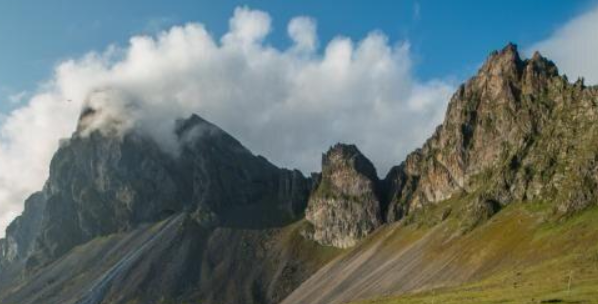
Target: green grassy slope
[{"x": 529, "y": 260}]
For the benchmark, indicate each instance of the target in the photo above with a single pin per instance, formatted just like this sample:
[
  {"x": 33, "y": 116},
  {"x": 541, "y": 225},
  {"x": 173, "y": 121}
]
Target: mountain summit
[
  {"x": 499, "y": 138},
  {"x": 120, "y": 220},
  {"x": 345, "y": 206},
  {"x": 102, "y": 184}
]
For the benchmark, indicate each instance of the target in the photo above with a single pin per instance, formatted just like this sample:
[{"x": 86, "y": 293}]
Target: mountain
[
  {"x": 105, "y": 185},
  {"x": 499, "y": 204},
  {"x": 102, "y": 184},
  {"x": 344, "y": 208},
  {"x": 499, "y": 138}
]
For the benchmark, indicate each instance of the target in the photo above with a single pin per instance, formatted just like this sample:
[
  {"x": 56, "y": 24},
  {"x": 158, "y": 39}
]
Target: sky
[
  {"x": 287, "y": 78},
  {"x": 449, "y": 38}
]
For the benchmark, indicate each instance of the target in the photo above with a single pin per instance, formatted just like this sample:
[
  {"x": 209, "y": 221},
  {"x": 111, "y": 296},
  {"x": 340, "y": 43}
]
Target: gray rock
[
  {"x": 503, "y": 137},
  {"x": 101, "y": 184},
  {"x": 345, "y": 206}
]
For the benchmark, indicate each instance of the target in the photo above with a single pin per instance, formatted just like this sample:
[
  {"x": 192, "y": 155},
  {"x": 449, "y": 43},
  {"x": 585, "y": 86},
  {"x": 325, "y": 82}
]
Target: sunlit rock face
[
  {"x": 245, "y": 231},
  {"x": 513, "y": 132},
  {"x": 345, "y": 207}
]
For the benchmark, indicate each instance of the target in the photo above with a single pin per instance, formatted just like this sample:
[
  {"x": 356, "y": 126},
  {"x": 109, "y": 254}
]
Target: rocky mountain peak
[
  {"x": 505, "y": 63},
  {"x": 220, "y": 219},
  {"x": 505, "y": 71},
  {"x": 343, "y": 157},
  {"x": 496, "y": 132},
  {"x": 345, "y": 206},
  {"x": 194, "y": 126},
  {"x": 187, "y": 124},
  {"x": 101, "y": 184}
]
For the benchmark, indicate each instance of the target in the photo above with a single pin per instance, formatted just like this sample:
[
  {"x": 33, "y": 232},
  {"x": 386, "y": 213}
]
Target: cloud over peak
[{"x": 289, "y": 105}]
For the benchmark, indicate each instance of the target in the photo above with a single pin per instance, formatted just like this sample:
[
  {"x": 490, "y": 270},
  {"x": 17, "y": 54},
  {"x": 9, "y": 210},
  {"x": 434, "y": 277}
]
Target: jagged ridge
[
  {"x": 496, "y": 143},
  {"x": 100, "y": 184},
  {"x": 496, "y": 146},
  {"x": 502, "y": 138}
]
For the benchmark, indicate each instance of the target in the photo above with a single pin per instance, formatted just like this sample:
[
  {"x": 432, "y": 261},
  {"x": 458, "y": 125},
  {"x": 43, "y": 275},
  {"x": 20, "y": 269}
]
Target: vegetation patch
[{"x": 520, "y": 258}]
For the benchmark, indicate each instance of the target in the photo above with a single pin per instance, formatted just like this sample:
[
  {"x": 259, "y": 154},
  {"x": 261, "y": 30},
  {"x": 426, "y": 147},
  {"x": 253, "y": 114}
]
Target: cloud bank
[
  {"x": 574, "y": 47},
  {"x": 289, "y": 105}
]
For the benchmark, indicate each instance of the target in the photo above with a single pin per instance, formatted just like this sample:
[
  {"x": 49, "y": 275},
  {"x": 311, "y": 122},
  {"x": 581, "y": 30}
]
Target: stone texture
[
  {"x": 518, "y": 131},
  {"x": 21, "y": 233},
  {"x": 344, "y": 207},
  {"x": 100, "y": 184},
  {"x": 504, "y": 137}
]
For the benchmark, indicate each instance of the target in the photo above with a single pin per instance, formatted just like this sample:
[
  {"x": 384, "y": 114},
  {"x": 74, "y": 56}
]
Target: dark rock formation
[
  {"x": 244, "y": 190},
  {"x": 100, "y": 184},
  {"x": 345, "y": 207},
  {"x": 21, "y": 233},
  {"x": 175, "y": 261},
  {"x": 213, "y": 222}
]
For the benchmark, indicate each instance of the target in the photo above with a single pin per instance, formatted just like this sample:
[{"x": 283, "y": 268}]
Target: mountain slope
[
  {"x": 514, "y": 257},
  {"x": 101, "y": 184},
  {"x": 516, "y": 134},
  {"x": 177, "y": 261},
  {"x": 110, "y": 185},
  {"x": 555, "y": 263},
  {"x": 501, "y": 198}
]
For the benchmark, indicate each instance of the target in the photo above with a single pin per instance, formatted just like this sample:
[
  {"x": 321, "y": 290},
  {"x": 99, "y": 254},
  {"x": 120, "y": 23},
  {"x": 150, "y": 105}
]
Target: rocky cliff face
[
  {"x": 516, "y": 131},
  {"x": 244, "y": 190},
  {"x": 21, "y": 233},
  {"x": 344, "y": 208},
  {"x": 102, "y": 183},
  {"x": 497, "y": 145}
]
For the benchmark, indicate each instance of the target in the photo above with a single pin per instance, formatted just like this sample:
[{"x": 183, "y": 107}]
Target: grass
[
  {"x": 546, "y": 283},
  {"x": 547, "y": 261},
  {"x": 304, "y": 250}
]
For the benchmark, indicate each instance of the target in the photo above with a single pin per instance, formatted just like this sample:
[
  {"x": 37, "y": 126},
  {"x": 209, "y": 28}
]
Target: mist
[{"x": 288, "y": 105}]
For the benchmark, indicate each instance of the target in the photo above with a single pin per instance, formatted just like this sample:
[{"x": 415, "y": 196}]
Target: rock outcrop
[
  {"x": 344, "y": 208},
  {"x": 517, "y": 131},
  {"x": 101, "y": 184},
  {"x": 21, "y": 233}
]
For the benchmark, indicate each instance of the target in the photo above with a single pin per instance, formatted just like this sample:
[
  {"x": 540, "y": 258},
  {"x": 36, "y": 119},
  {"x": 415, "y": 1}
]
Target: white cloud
[
  {"x": 303, "y": 32},
  {"x": 247, "y": 27},
  {"x": 574, "y": 46},
  {"x": 288, "y": 105}
]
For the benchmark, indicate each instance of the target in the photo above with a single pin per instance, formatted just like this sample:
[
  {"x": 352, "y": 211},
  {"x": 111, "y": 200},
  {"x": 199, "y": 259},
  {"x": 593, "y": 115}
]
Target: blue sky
[{"x": 448, "y": 38}]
